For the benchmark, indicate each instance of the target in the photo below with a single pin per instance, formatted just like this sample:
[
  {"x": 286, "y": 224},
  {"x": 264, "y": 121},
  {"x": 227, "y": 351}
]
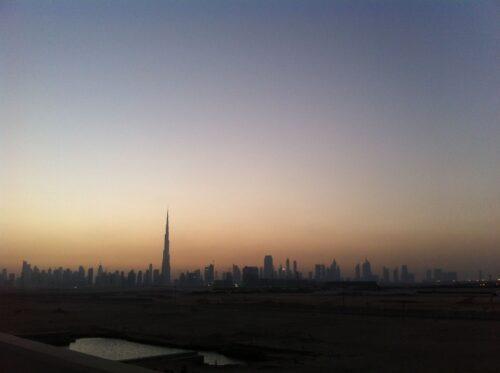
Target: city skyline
[
  {"x": 307, "y": 129},
  {"x": 269, "y": 270},
  {"x": 32, "y": 276},
  {"x": 249, "y": 186},
  {"x": 164, "y": 265}
]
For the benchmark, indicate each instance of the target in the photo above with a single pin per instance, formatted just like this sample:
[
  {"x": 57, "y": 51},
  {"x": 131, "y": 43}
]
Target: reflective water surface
[{"x": 119, "y": 349}]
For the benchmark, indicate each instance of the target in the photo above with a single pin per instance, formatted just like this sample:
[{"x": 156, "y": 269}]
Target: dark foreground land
[{"x": 392, "y": 330}]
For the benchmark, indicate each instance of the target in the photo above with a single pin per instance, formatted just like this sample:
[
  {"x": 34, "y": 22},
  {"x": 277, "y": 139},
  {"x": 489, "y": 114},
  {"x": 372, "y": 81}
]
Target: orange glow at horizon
[{"x": 352, "y": 134}]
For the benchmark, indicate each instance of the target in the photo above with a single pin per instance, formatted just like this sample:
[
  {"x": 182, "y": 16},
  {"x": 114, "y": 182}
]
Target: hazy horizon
[{"x": 305, "y": 129}]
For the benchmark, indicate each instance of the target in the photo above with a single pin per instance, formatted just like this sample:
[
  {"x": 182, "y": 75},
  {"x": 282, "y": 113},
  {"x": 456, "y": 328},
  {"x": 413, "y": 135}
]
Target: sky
[{"x": 305, "y": 129}]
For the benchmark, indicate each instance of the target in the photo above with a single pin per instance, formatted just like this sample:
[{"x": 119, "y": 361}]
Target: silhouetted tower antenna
[{"x": 165, "y": 267}]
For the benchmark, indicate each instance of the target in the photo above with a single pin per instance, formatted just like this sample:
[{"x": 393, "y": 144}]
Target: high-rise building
[
  {"x": 165, "y": 266},
  {"x": 149, "y": 275},
  {"x": 190, "y": 279},
  {"x": 209, "y": 274},
  {"x": 268, "y": 271},
  {"x": 333, "y": 272},
  {"x": 404, "y": 273},
  {"x": 157, "y": 277},
  {"x": 366, "y": 271},
  {"x": 131, "y": 279},
  {"x": 250, "y": 276},
  {"x": 81, "y": 276},
  {"x": 236, "y": 274},
  {"x": 357, "y": 272},
  {"x": 90, "y": 277},
  {"x": 319, "y": 272},
  {"x": 26, "y": 272}
]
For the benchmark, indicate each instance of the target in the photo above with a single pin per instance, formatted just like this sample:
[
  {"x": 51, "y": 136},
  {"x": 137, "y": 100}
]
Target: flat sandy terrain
[{"x": 389, "y": 331}]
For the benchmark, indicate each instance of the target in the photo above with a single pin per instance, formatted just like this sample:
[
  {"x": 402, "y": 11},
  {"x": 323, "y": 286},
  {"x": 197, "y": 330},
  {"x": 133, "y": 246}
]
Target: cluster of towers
[
  {"x": 266, "y": 274},
  {"x": 363, "y": 272},
  {"x": 32, "y": 276},
  {"x": 282, "y": 273},
  {"x": 327, "y": 273}
]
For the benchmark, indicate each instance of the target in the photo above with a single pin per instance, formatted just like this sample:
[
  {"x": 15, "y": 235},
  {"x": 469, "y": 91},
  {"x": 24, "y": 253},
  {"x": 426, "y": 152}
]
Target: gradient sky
[{"x": 309, "y": 129}]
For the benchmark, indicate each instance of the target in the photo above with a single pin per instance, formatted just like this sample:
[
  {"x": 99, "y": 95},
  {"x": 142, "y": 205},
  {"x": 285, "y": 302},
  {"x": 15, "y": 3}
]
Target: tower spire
[
  {"x": 167, "y": 228},
  {"x": 165, "y": 267}
]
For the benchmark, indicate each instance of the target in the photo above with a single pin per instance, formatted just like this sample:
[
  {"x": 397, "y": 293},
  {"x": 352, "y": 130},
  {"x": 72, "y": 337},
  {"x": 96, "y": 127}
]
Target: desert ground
[{"x": 391, "y": 330}]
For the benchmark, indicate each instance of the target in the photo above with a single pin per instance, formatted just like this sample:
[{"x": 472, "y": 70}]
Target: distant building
[
  {"x": 250, "y": 276},
  {"x": 139, "y": 279},
  {"x": 357, "y": 273},
  {"x": 268, "y": 270},
  {"x": 406, "y": 276},
  {"x": 190, "y": 279},
  {"x": 165, "y": 266},
  {"x": 148, "y": 279},
  {"x": 404, "y": 273},
  {"x": 333, "y": 273},
  {"x": 319, "y": 272},
  {"x": 366, "y": 271},
  {"x": 26, "y": 274},
  {"x": 131, "y": 279},
  {"x": 90, "y": 276},
  {"x": 209, "y": 274},
  {"x": 236, "y": 274}
]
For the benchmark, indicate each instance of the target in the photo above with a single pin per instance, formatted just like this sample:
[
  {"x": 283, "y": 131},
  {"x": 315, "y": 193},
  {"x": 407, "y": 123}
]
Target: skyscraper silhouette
[
  {"x": 165, "y": 266},
  {"x": 268, "y": 272}
]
